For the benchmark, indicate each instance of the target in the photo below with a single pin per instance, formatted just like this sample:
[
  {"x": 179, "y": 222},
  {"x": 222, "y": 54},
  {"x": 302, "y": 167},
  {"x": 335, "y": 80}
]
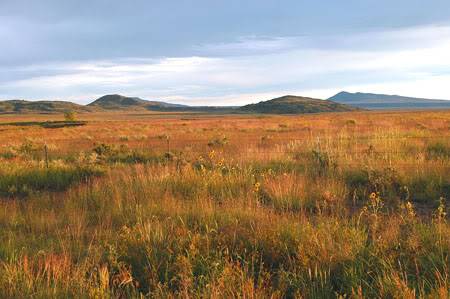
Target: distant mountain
[
  {"x": 343, "y": 101},
  {"x": 116, "y": 101},
  {"x": 107, "y": 102},
  {"x": 296, "y": 105},
  {"x": 22, "y": 106},
  {"x": 382, "y": 101}
]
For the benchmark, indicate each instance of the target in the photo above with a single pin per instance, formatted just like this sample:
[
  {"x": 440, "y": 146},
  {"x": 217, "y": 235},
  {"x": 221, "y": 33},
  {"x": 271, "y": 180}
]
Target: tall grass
[{"x": 338, "y": 216}]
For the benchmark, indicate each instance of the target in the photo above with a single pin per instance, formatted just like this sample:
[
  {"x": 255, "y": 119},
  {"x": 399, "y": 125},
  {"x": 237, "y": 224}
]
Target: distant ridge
[
  {"x": 382, "y": 101},
  {"x": 22, "y": 106},
  {"x": 296, "y": 105},
  {"x": 284, "y": 105},
  {"x": 289, "y": 104}
]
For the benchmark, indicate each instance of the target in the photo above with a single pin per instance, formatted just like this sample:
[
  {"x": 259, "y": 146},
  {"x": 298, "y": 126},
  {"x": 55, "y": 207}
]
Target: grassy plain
[{"x": 339, "y": 205}]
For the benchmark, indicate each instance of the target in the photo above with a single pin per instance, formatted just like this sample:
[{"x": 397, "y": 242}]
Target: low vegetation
[
  {"x": 22, "y": 106},
  {"x": 17, "y": 180},
  {"x": 317, "y": 206},
  {"x": 48, "y": 124}
]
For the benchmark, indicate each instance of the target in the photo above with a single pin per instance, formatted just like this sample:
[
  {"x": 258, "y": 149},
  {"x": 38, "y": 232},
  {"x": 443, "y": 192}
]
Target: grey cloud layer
[
  {"x": 213, "y": 49},
  {"x": 50, "y": 30}
]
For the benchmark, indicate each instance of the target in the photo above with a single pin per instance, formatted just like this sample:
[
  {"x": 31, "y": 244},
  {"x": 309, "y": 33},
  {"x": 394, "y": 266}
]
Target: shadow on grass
[
  {"x": 47, "y": 124},
  {"x": 26, "y": 181}
]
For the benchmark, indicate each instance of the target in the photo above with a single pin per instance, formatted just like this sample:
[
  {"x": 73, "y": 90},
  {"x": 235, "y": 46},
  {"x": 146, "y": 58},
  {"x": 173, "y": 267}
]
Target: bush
[
  {"x": 70, "y": 116},
  {"x": 104, "y": 150}
]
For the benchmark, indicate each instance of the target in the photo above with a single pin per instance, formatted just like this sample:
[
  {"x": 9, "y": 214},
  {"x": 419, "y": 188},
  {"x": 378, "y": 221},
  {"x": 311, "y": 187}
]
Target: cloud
[
  {"x": 413, "y": 61},
  {"x": 248, "y": 46}
]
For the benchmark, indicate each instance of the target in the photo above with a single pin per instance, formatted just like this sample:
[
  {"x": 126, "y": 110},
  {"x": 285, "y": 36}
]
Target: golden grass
[{"x": 189, "y": 205}]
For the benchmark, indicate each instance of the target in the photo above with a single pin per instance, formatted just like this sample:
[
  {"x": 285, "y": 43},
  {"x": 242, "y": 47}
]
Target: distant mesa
[
  {"x": 374, "y": 101},
  {"x": 296, "y": 105},
  {"x": 116, "y": 101},
  {"x": 112, "y": 101}
]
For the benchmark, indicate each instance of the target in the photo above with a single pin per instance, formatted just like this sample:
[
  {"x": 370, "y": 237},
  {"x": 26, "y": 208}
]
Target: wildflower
[
  {"x": 410, "y": 209},
  {"x": 12, "y": 190},
  {"x": 407, "y": 211},
  {"x": 375, "y": 202},
  {"x": 441, "y": 210},
  {"x": 328, "y": 196},
  {"x": 93, "y": 158},
  {"x": 202, "y": 168},
  {"x": 256, "y": 187},
  {"x": 221, "y": 162},
  {"x": 404, "y": 193},
  {"x": 211, "y": 154}
]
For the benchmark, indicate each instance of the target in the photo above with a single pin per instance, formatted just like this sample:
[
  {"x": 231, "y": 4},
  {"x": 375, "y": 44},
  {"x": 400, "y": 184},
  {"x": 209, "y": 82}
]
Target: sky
[{"x": 233, "y": 52}]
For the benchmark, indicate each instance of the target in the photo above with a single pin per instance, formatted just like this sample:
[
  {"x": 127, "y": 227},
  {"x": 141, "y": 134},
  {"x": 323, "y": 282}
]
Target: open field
[{"x": 338, "y": 205}]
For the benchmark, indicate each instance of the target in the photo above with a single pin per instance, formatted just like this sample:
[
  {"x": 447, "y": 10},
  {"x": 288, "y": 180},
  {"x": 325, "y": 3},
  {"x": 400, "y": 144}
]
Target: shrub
[
  {"x": 104, "y": 149},
  {"x": 28, "y": 148},
  {"x": 350, "y": 122},
  {"x": 70, "y": 116},
  {"x": 9, "y": 154}
]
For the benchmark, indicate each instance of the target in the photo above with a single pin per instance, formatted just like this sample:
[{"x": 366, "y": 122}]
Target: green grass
[{"x": 25, "y": 180}]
